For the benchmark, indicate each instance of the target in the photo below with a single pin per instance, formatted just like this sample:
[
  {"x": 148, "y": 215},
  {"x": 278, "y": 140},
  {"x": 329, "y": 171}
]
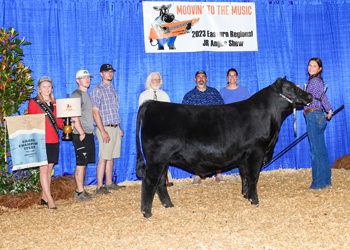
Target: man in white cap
[{"x": 83, "y": 135}]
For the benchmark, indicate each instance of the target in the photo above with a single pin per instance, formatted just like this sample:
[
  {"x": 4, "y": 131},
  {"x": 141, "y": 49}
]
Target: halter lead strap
[
  {"x": 285, "y": 97},
  {"x": 294, "y": 114}
]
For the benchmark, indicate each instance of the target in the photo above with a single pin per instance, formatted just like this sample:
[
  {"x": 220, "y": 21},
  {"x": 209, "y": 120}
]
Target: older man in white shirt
[{"x": 153, "y": 84}]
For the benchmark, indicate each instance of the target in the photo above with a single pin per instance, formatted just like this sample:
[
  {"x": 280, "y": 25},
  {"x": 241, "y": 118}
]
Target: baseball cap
[
  {"x": 82, "y": 73},
  {"x": 106, "y": 67},
  {"x": 201, "y": 72}
]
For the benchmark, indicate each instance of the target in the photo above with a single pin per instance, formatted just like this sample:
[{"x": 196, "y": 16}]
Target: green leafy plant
[{"x": 16, "y": 86}]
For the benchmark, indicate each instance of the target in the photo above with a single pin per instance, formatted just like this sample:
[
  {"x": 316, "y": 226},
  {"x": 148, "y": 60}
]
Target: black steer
[{"x": 204, "y": 139}]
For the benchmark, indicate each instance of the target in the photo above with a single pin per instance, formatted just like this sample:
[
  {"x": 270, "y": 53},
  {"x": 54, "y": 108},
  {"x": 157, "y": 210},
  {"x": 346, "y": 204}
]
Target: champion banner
[
  {"x": 195, "y": 26},
  {"x": 27, "y": 140}
]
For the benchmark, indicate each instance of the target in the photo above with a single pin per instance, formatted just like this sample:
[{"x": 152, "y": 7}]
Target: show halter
[
  {"x": 285, "y": 97},
  {"x": 294, "y": 113}
]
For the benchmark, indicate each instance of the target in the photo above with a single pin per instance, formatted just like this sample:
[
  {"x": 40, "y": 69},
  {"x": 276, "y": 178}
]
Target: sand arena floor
[{"x": 207, "y": 216}]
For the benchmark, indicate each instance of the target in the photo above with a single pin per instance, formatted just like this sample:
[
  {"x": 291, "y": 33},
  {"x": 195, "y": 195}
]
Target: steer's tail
[{"x": 140, "y": 163}]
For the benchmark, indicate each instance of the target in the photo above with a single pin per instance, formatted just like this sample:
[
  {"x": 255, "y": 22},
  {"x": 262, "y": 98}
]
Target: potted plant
[{"x": 16, "y": 86}]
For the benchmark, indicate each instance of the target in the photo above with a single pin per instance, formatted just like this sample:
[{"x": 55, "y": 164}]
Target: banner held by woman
[{"x": 27, "y": 140}]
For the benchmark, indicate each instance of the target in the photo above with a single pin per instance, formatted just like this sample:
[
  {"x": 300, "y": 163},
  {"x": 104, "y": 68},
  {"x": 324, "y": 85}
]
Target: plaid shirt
[
  {"x": 316, "y": 88},
  {"x": 105, "y": 98}
]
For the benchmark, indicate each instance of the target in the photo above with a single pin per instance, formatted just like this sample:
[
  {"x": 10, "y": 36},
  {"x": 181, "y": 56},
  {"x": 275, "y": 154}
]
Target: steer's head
[
  {"x": 290, "y": 92},
  {"x": 164, "y": 13}
]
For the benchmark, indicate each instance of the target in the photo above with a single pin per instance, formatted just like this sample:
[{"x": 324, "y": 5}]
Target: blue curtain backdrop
[{"x": 67, "y": 36}]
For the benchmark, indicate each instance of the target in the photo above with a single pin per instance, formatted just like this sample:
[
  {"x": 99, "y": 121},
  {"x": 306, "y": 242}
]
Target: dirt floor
[{"x": 207, "y": 216}]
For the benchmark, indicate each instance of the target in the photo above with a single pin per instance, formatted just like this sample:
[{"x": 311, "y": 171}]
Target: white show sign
[{"x": 195, "y": 26}]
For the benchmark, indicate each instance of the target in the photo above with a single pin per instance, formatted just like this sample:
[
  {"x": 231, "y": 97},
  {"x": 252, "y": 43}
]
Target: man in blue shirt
[{"x": 203, "y": 95}]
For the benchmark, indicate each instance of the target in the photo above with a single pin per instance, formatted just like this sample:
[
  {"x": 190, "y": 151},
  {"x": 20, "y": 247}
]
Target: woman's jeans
[{"x": 321, "y": 168}]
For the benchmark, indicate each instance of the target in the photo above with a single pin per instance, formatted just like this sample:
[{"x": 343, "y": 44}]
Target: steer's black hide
[{"x": 204, "y": 139}]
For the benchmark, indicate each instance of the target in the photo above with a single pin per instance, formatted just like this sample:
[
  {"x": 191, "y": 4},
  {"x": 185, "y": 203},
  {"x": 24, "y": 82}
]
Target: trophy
[
  {"x": 66, "y": 108},
  {"x": 67, "y": 130}
]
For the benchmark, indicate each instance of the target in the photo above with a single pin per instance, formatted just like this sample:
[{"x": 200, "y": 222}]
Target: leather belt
[
  {"x": 310, "y": 110},
  {"x": 111, "y": 125}
]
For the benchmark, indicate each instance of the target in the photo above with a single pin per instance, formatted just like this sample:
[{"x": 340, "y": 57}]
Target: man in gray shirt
[{"x": 83, "y": 135}]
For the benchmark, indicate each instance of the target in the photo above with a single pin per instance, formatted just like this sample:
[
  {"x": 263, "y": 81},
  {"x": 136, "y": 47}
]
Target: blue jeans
[
  {"x": 169, "y": 40},
  {"x": 321, "y": 168}
]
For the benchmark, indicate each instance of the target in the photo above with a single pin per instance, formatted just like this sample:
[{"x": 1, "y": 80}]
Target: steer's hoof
[
  {"x": 167, "y": 205},
  {"x": 147, "y": 215},
  {"x": 254, "y": 201}
]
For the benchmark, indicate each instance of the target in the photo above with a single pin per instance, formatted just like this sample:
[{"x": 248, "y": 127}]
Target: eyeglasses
[
  {"x": 232, "y": 76},
  {"x": 155, "y": 80}
]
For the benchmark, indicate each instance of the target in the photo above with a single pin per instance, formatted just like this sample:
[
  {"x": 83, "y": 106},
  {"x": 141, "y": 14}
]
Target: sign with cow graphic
[{"x": 196, "y": 26}]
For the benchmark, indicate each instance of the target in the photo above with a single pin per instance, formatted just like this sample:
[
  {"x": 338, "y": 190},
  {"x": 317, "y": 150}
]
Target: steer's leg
[
  {"x": 162, "y": 190},
  {"x": 150, "y": 181},
  {"x": 253, "y": 176},
  {"x": 252, "y": 189},
  {"x": 243, "y": 174}
]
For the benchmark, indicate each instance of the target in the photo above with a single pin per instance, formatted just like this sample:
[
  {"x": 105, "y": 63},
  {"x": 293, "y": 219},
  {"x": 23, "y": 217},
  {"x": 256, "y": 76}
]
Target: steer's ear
[
  {"x": 277, "y": 85},
  {"x": 285, "y": 78}
]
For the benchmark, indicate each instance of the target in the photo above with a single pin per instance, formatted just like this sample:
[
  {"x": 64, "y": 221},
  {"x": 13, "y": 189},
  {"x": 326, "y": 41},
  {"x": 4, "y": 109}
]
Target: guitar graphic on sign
[
  {"x": 171, "y": 29},
  {"x": 165, "y": 28}
]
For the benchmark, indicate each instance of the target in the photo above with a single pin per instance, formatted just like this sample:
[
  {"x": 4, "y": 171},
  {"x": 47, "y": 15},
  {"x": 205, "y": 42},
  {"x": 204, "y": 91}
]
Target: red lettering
[
  {"x": 189, "y": 9},
  {"x": 250, "y": 10},
  {"x": 179, "y": 9},
  {"x": 241, "y": 10}
]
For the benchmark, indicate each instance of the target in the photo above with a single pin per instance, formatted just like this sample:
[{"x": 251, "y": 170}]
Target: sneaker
[
  {"x": 197, "y": 180},
  {"x": 82, "y": 196},
  {"x": 89, "y": 194},
  {"x": 102, "y": 190},
  {"x": 235, "y": 178},
  {"x": 220, "y": 179},
  {"x": 113, "y": 186}
]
